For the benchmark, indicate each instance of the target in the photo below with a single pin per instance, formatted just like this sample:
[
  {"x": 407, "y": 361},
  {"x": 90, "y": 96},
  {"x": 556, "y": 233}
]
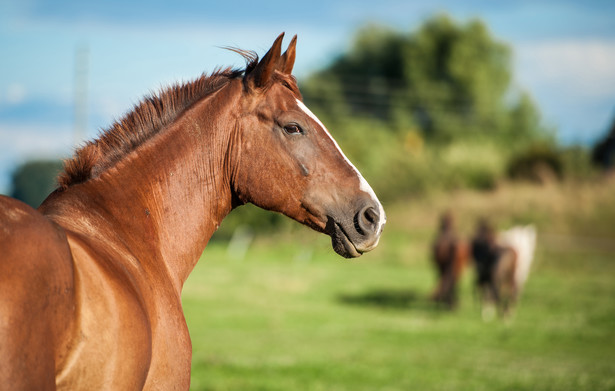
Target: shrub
[{"x": 539, "y": 163}]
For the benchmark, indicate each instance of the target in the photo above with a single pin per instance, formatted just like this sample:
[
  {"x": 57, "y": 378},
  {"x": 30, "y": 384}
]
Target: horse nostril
[
  {"x": 366, "y": 221},
  {"x": 371, "y": 215}
]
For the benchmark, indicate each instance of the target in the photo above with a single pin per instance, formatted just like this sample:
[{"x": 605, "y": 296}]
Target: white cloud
[
  {"x": 34, "y": 140},
  {"x": 15, "y": 94},
  {"x": 582, "y": 68},
  {"x": 573, "y": 81}
]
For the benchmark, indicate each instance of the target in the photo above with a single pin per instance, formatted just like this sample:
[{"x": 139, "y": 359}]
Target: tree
[
  {"x": 448, "y": 79},
  {"x": 34, "y": 180},
  {"x": 603, "y": 153}
]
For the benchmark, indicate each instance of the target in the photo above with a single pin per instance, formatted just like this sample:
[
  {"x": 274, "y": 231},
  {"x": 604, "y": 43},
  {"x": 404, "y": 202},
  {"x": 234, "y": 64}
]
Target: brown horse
[
  {"x": 90, "y": 282},
  {"x": 450, "y": 256}
]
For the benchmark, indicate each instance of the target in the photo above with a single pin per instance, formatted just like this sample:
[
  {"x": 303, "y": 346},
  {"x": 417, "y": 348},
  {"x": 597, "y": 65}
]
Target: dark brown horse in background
[
  {"x": 90, "y": 283},
  {"x": 450, "y": 256}
]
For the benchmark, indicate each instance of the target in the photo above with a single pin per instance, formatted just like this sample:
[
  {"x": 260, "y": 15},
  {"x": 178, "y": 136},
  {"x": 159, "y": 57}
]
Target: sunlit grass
[{"x": 292, "y": 315}]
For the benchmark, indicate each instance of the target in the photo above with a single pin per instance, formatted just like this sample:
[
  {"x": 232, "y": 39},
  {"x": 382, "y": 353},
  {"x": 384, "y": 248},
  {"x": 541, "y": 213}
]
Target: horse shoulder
[
  {"x": 36, "y": 296},
  {"x": 143, "y": 331},
  {"x": 112, "y": 330}
]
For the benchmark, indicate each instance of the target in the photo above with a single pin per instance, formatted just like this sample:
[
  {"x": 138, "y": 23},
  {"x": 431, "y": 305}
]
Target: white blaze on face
[{"x": 364, "y": 186}]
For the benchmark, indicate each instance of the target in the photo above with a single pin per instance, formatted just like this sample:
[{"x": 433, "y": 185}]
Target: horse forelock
[{"x": 147, "y": 118}]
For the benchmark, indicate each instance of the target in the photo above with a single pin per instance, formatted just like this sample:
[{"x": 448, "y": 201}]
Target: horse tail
[{"x": 523, "y": 241}]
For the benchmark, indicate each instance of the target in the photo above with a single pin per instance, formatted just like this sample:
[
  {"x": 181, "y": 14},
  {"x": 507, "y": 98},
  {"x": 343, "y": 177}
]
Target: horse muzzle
[{"x": 358, "y": 232}]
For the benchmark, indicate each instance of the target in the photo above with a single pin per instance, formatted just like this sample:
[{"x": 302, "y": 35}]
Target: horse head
[{"x": 289, "y": 163}]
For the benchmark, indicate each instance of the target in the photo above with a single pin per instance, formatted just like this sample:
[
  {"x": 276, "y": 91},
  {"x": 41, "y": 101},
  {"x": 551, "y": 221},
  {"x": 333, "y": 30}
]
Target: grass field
[{"x": 291, "y": 315}]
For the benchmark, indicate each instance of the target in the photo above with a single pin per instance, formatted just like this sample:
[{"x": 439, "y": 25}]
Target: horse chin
[{"x": 341, "y": 243}]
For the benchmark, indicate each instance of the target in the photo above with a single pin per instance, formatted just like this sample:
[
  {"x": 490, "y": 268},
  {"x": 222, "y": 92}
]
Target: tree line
[
  {"x": 415, "y": 110},
  {"x": 446, "y": 80}
]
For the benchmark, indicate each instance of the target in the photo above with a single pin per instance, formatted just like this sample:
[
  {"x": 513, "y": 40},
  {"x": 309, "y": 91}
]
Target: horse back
[{"x": 36, "y": 297}]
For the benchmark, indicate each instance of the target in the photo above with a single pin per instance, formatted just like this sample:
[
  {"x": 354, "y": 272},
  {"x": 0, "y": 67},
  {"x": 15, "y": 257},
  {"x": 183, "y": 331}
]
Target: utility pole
[{"x": 82, "y": 53}]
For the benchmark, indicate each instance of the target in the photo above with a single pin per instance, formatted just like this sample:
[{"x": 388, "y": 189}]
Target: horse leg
[
  {"x": 489, "y": 301},
  {"x": 511, "y": 299},
  {"x": 36, "y": 297},
  {"x": 448, "y": 296},
  {"x": 505, "y": 282},
  {"x": 437, "y": 293},
  {"x": 27, "y": 354},
  {"x": 26, "y": 349},
  {"x": 453, "y": 294}
]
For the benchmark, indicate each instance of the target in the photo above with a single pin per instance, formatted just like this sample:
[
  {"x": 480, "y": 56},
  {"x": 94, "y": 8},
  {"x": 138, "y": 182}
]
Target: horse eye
[{"x": 293, "y": 129}]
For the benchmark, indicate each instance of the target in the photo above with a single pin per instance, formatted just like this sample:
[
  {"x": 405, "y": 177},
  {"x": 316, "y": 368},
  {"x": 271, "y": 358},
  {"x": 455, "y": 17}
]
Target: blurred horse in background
[
  {"x": 450, "y": 255},
  {"x": 502, "y": 265}
]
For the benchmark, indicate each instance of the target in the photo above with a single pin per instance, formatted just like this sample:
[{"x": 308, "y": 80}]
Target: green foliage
[
  {"x": 255, "y": 220},
  {"x": 34, "y": 180},
  {"x": 401, "y": 163},
  {"x": 540, "y": 163},
  {"x": 458, "y": 76},
  {"x": 523, "y": 123},
  {"x": 577, "y": 163},
  {"x": 545, "y": 162},
  {"x": 603, "y": 153},
  {"x": 450, "y": 81},
  {"x": 426, "y": 110}
]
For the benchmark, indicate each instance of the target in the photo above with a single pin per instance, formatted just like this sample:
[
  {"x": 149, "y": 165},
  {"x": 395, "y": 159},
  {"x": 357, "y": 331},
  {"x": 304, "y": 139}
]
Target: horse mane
[{"x": 147, "y": 119}]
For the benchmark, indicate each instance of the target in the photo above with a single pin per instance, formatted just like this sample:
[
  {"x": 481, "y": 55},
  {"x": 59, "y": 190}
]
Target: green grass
[{"x": 294, "y": 316}]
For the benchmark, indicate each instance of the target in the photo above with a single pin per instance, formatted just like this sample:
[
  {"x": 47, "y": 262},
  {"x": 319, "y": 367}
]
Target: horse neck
[{"x": 162, "y": 203}]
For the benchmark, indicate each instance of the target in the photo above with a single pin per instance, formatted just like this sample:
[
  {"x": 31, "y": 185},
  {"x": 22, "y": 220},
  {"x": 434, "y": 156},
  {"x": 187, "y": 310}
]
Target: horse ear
[
  {"x": 287, "y": 61},
  {"x": 261, "y": 74}
]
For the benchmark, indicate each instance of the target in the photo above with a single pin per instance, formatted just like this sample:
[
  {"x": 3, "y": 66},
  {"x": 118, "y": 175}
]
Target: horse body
[
  {"x": 128, "y": 316},
  {"x": 114, "y": 245},
  {"x": 450, "y": 255},
  {"x": 502, "y": 265},
  {"x": 523, "y": 240},
  {"x": 36, "y": 297}
]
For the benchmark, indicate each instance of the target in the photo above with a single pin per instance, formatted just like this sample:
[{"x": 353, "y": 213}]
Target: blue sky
[{"x": 564, "y": 54}]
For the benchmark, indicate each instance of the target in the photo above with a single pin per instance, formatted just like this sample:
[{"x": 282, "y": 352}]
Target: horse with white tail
[{"x": 503, "y": 264}]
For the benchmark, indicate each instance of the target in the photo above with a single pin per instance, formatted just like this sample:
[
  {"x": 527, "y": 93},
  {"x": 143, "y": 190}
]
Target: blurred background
[{"x": 486, "y": 110}]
